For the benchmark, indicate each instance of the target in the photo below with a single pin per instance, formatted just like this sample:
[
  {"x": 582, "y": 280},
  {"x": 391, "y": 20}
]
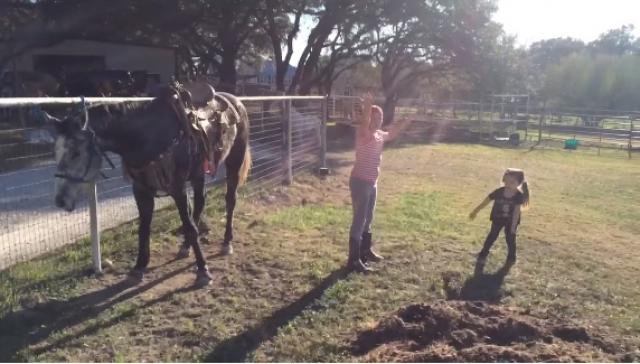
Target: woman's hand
[
  {"x": 473, "y": 215},
  {"x": 365, "y": 121},
  {"x": 367, "y": 101}
]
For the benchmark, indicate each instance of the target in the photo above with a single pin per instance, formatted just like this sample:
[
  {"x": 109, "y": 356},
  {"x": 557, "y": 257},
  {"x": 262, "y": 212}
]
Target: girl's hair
[
  {"x": 518, "y": 174},
  {"x": 376, "y": 108}
]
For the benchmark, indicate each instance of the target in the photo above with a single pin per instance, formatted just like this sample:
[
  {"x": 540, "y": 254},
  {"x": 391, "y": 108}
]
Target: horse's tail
[
  {"x": 246, "y": 166},
  {"x": 246, "y": 163}
]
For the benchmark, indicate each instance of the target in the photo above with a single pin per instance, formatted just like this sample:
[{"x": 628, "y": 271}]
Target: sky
[{"x": 533, "y": 20}]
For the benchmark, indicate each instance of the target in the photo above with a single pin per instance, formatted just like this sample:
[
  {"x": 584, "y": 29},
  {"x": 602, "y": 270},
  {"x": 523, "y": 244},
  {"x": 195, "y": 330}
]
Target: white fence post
[
  {"x": 95, "y": 228},
  {"x": 289, "y": 142},
  {"x": 323, "y": 135}
]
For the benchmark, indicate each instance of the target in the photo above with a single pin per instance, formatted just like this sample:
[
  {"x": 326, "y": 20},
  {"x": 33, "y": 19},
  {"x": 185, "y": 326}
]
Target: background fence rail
[{"x": 464, "y": 121}]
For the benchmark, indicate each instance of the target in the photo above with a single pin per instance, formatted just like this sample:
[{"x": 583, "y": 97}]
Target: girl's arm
[
  {"x": 397, "y": 128},
  {"x": 516, "y": 217},
  {"x": 365, "y": 121},
  {"x": 482, "y": 205}
]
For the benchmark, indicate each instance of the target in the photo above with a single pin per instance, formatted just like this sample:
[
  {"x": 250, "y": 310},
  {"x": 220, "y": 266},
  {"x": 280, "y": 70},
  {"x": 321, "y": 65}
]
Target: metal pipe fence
[
  {"x": 286, "y": 138},
  {"x": 464, "y": 121}
]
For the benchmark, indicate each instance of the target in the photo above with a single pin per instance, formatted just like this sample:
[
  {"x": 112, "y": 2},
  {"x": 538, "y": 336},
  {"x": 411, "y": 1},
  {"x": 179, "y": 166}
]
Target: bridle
[{"x": 94, "y": 151}]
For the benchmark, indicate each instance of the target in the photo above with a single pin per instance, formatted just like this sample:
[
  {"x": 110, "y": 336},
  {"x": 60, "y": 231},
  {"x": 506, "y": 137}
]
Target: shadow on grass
[
  {"x": 21, "y": 329},
  {"x": 479, "y": 287},
  {"x": 238, "y": 348}
]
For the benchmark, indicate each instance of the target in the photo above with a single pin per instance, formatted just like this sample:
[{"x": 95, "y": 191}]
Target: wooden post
[
  {"x": 526, "y": 127},
  {"x": 492, "y": 104},
  {"x": 630, "y": 137},
  {"x": 541, "y": 122},
  {"x": 600, "y": 141}
]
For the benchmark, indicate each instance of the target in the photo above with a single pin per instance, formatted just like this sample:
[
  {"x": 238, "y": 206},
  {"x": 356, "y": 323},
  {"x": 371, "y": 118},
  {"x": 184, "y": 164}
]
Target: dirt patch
[{"x": 463, "y": 331}]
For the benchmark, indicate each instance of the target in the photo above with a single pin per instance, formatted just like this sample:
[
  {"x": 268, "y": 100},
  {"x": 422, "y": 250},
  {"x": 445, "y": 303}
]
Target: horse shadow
[
  {"x": 238, "y": 348},
  {"x": 30, "y": 326}
]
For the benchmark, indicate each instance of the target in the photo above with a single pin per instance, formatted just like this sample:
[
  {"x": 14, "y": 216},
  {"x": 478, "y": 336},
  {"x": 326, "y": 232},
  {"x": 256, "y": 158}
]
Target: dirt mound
[{"x": 461, "y": 331}]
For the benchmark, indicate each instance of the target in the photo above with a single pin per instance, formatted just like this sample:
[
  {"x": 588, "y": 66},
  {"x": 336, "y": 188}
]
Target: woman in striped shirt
[{"x": 364, "y": 182}]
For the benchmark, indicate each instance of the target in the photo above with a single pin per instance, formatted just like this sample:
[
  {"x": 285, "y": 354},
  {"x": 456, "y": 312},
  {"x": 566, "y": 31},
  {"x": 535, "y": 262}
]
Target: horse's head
[{"x": 77, "y": 155}]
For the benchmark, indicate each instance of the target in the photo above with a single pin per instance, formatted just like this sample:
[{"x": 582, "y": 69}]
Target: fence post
[
  {"x": 492, "y": 104},
  {"x": 540, "y": 121},
  {"x": 541, "y": 117},
  {"x": 323, "y": 134},
  {"x": 630, "y": 137},
  {"x": 526, "y": 128},
  {"x": 333, "y": 105},
  {"x": 600, "y": 141},
  {"x": 95, "y": 229},
  {"x": 288, "y": 142}
]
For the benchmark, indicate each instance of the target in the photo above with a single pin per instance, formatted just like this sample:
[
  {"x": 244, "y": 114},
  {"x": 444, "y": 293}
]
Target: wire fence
[
  {"x": 509, "y": 122},
  {"x": 286, "y": 138}
]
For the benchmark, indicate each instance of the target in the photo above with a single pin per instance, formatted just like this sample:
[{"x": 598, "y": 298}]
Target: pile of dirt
[{"x": 463, "y": 331}]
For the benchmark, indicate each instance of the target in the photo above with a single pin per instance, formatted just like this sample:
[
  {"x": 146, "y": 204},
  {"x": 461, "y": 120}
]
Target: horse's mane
[
  {"x": 125, "y": 109},
  {"x": 129, "y": 115}
]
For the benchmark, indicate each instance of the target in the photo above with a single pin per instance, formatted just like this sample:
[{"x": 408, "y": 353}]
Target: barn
[{"x": 82, "y": 56}]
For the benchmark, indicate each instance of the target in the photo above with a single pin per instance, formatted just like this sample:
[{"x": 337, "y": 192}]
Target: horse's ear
[
  {"x": 219, "y": 106},
  {"x": 41, "y": 117},
  {"x": 52, "y": 123}
]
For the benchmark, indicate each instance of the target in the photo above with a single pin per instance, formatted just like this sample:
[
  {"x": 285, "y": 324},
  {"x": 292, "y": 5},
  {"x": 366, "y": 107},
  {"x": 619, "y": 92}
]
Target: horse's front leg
[
  {"x": 198, "y": 205},
  {"x": 144, "y": 202},
  {"x": 191, "y": 235},
  {"x": 199, "y": 193}
]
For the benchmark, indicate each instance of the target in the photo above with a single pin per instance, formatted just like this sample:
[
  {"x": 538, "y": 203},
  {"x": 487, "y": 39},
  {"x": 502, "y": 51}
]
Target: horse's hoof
[
  {"x": 135, "y": 276},
  {"x": 227, "y": 249},
  {"x": 203, "y": 278},
  {"x": 183, "y": 252}
]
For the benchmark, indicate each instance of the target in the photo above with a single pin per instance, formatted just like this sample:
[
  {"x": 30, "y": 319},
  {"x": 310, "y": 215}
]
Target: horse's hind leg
[
  {"x": 230, "y": 200},
  {"x": 145, "y": 202},
  {"x": 191, "y": 235}
]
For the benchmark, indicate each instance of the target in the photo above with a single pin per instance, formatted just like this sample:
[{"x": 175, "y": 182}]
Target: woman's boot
[
  {"x": 354, "y": 263},
  {"x": 366, "y": 253}
]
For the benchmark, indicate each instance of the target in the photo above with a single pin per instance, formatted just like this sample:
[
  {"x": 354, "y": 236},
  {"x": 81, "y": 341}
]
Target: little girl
[{"x": 505, "y": 213}]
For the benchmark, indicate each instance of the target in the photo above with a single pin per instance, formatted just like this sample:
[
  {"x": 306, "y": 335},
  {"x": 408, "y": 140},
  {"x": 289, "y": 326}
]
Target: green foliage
[{"x": 595, "y": 81}]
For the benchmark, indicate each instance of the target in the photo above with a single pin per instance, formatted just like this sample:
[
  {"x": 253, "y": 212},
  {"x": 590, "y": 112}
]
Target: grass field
[{"x": 282, "y": 295}]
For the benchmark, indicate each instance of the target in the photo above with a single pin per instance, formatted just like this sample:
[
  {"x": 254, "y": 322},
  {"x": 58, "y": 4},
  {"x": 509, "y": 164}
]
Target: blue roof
[{"x": 269, "y": 70}]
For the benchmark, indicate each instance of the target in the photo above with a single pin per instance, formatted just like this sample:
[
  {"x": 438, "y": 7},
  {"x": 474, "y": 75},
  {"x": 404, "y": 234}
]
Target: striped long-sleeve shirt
[{"x": 368, "y": 156}]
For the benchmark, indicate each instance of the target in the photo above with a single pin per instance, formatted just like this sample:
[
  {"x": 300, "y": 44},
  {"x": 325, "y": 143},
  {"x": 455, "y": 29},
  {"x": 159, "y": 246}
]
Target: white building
[{"x": 74, "y": 55}]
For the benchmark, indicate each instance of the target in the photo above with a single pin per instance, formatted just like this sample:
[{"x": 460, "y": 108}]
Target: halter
[{"x": 94, "y": 150}]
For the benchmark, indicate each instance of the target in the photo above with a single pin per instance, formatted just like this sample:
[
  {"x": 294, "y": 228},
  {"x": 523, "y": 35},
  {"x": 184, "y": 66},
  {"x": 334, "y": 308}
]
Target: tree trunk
[
  {"x": 389, "y": 108},
  {"x": 281, "y": 72},
  {"x": 311, "y": 55},
  {"x": 227, "y": 72}
]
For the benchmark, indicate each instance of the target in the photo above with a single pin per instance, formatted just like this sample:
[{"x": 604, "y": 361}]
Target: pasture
[{"x": 283, "y": 296}]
